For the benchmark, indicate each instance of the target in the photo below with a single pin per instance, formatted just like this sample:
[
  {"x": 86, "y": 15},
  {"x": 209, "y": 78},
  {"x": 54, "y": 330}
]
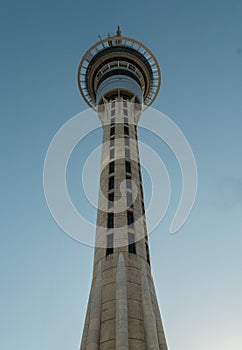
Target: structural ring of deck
[{"x": 126, "y": 54}]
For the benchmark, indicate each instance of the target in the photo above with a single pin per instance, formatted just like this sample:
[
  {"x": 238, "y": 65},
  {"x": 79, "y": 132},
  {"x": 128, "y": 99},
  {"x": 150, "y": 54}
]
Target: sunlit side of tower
[{"x": 119, "y": 77}]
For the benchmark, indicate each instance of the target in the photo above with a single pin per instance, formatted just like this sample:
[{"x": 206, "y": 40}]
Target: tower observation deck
[
  {"x": 119, "y": 64},
  {"x": 119, "y": 77}
]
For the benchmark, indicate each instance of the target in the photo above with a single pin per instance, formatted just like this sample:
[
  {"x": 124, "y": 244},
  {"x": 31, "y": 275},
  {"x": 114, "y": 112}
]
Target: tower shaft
[{"x": 123, "y": 312}]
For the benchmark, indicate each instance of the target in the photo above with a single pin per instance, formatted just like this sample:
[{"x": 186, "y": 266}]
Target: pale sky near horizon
[{"x": 46, "y": 275}]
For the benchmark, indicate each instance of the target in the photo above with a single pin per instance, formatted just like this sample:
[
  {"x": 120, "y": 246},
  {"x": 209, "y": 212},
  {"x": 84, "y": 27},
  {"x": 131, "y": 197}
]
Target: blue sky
[{"x": 45, "y": 275}]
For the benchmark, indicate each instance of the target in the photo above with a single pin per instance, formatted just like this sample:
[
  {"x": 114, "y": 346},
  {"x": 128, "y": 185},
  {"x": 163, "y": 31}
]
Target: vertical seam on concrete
[{"x": 122, "y": 330}]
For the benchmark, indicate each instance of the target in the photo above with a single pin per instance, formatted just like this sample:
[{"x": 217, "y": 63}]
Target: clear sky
[{"x": 46, "y": 275}]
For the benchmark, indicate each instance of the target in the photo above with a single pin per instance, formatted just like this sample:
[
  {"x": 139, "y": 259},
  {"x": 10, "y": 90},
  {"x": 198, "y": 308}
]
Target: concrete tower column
[{"x": 119, "y": 77}]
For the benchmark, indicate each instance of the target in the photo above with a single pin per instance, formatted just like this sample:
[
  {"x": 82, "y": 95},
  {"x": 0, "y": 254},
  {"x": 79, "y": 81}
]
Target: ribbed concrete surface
[{"x": 122, "y": 312}]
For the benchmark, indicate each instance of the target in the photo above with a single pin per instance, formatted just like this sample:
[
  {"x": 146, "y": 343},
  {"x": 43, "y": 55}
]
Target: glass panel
[
  {"x": 129, "y": 200},
  {"x": 110, "y": 220},
  {"x": 112, "y": 131},
  {"x": 111, "y": 183},
  {"x": 130, "y": 219},
  {"x": 109, "y": 244},
  {"x": 111, "y": 153},
  {"x": 132, "y": 248},
  {"x": 128, "y": 181},
  {"x": 111, "y": 167},
  {"x": 126, "y": 130},
  {"x": 127, "y": 167},
  {"x": 110, "y": 200},
  {"x": 127, "y": 153}
]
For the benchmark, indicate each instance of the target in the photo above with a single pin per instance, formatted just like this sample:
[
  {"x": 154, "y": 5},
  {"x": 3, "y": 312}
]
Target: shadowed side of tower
[{"x": 119, "y": 77}]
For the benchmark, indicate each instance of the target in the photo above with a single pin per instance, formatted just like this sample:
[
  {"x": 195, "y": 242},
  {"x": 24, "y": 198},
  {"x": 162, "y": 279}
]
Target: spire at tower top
[{"x": 118, "y": 31}]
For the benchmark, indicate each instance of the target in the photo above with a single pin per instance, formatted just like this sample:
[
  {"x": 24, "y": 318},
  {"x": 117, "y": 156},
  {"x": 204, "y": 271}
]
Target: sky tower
[{"x": 119, "y": 77}]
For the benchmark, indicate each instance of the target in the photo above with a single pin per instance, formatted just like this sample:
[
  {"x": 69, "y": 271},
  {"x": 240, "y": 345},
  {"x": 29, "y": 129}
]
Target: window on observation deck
[
  {"x": 109, "y": 249},
  {"x": 131, "y": 240}
]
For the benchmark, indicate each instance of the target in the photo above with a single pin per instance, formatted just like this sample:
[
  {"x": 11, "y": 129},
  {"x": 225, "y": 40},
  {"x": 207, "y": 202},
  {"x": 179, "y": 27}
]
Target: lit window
[
  {"x": 131, "y": 240},
  {"x": 111, "y": 183},
  {"x": 109, "y": 249},
  {"x": 110, "y": 220},
  {"x": 111, "y": 167}
]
